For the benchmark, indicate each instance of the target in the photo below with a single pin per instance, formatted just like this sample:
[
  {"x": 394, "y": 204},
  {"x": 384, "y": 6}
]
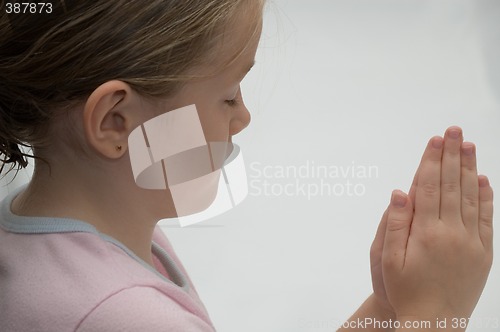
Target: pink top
[{"x": 61, "y": 274}]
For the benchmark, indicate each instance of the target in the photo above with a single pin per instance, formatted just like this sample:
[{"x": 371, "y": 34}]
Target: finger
[
  {"x": 427, "y": 192},
  {"x": 485, "y": 212},
  {"x": 414, "y": 184},
  {"x": 450, "y": 176},
  {"x": 376, "y": 256},
  {"x": 399, "y": 219},
  {"x": 413, "y": 187},
  {"x": 469, "y": 187},
  {"x": 378, "y": 242}
]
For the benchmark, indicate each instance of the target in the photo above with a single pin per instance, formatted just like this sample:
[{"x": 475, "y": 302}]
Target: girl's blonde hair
[{"x": 53, "y": 60}]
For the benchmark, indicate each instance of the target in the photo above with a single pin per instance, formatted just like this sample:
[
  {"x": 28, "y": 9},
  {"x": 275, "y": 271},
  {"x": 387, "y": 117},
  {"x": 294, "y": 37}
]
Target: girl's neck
[{"x": 116, "y": 208}]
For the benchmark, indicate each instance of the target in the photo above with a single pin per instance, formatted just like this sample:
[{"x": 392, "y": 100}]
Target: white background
[
  {"x": 336, "y": 82},
  {"x": 343, "y": 82}
]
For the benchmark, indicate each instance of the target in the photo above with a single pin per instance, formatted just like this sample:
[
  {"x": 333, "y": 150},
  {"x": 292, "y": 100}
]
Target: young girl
[{"x": 79, "y": 246}]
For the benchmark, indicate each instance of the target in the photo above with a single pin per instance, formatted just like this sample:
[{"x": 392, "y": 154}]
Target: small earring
[{"x": 118, "y": 148}]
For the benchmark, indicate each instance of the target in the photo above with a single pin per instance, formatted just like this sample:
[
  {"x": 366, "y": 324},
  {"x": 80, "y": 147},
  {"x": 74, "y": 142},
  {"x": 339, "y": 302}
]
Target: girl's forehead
[{"x": 235, "y": 49}]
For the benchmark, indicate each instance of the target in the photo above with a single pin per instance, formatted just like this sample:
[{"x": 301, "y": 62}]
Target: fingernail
[
  {"x": 483, "y": 181},
  {"x": 398, "y": 199},
  {"x": 454, "y": 133},
  {"x": 468, "y": 149},
  {"x": 437, "y": 143}
]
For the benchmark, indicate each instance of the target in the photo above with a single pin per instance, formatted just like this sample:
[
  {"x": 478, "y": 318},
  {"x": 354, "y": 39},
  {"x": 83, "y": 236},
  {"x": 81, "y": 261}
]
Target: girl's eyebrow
[
  {"x": 250, "y": 66},
  {"x": 247, "y": 69}
]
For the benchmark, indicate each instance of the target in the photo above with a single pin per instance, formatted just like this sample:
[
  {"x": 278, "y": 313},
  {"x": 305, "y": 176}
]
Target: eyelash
[{"x": 232, "y": 102}]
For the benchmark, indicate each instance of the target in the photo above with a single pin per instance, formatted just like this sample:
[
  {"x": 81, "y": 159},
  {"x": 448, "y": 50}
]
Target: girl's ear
[{"x": 110, "y": 114}]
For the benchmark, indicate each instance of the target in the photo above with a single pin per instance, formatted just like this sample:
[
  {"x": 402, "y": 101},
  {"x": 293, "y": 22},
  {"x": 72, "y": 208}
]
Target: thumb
[
  {"x": 376, "y": 252},
  {"x": 399, "y": 218}
]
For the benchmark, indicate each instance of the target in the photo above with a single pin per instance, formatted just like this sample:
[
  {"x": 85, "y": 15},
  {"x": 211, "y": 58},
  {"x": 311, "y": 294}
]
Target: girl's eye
[
  {"x": 232, "y": 102},
  {"x": 235, "y": 102}
]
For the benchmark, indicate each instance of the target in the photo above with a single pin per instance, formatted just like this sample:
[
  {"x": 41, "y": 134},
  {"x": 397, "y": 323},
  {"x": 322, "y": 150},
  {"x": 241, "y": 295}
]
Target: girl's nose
[
  {"x": 241, "y": 117},
  {"x": 240, "y": 120}
]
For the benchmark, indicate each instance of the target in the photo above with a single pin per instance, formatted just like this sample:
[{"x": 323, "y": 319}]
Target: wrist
[
  {"x": 371, "y": 316},
  {"x": 380, "y": 311}
]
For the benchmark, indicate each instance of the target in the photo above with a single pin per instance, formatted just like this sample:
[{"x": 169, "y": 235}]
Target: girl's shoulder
[{"x": 50, "y": 266}]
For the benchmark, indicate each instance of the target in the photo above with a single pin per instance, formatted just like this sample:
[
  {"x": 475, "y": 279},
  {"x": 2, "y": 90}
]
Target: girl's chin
[{"x": 186, "y": 198}]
